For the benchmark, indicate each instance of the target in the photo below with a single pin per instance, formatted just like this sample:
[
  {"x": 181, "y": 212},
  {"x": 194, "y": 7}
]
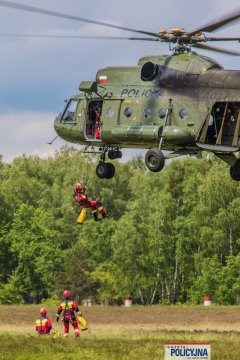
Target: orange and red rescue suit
[
  {"x": 68, "y": 307},
  {"x": 98, "y": 125},
  {"x": 43, "y": 325},
  {"x": 94, "y": 205}
]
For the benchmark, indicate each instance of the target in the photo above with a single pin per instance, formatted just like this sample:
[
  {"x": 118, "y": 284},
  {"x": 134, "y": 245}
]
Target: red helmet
[
  {"x": 79, "y": 188},
  {"x": 66, "y": 294},
  {"x": 43, "y": 311}
]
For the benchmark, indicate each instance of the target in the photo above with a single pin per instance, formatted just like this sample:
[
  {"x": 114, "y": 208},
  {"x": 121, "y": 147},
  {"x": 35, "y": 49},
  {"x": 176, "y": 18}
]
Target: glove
[
  {"x": 57, "y": 318},
  {"x": 79, "y": 313}
]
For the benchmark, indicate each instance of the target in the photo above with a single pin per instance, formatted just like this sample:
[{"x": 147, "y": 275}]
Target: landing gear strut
[
  {"x": 235, "y": 171},
  {"x": 154, "y": 160},
  {"x": 107, "y": 170}
]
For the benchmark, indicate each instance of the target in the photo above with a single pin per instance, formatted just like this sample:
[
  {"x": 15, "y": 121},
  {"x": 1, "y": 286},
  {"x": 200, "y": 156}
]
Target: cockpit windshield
[{"x": 70, "y": 110}]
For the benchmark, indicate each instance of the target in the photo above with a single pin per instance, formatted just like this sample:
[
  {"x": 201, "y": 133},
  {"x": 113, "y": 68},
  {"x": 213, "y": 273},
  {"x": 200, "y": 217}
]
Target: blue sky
[{"x": 38, "y": 74}]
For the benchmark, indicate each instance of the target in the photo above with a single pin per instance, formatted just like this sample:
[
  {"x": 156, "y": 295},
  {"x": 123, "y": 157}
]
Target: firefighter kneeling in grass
[
  {"x": 43, "y": 324},
  {"x": 69, "y": 308}
]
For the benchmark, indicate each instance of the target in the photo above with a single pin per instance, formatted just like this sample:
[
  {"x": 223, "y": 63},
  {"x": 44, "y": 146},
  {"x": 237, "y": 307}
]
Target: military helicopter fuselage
[{"x": 184, "y": 103}]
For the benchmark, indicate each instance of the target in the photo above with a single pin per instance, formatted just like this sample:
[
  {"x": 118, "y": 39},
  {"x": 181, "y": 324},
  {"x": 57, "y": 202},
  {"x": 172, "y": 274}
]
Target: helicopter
[{"x": 181, "y": 102}]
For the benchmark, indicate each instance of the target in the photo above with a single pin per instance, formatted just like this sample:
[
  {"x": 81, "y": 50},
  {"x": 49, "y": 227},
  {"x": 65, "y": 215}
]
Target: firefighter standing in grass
[
  {"x": 68, "y": 308},
  {"x": 84, "y": 202},
  {"x": 43, "y": 324}
]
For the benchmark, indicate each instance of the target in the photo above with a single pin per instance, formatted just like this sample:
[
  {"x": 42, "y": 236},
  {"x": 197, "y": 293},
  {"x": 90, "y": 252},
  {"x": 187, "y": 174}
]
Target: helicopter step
[{"x": 218, "y": 148}]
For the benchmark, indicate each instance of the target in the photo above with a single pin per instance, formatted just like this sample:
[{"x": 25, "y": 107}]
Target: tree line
[{"x": 171, "y": 237}]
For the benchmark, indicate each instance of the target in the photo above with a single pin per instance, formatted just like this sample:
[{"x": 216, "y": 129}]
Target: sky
[{"x": 38, "y": 74}]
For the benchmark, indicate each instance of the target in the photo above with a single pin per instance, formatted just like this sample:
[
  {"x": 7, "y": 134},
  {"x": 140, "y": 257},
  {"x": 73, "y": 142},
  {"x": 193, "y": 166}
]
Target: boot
[
  {"x": 94, "y": 214},
  {"x": 103, "y": 212}
]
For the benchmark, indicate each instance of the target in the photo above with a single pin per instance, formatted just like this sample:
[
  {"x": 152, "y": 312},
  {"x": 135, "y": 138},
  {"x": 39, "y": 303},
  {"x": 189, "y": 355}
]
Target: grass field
[{"x": 121, "y": 333}]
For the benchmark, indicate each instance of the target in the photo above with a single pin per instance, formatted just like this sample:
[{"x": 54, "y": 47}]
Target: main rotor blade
[
  {"x": 216, "y": 49},
  {"x": 223, "y": 38},
  {"x": 89, "y": 37},
  {"x": 218, "y": 23},
  {"x": 33, "y": 9}
]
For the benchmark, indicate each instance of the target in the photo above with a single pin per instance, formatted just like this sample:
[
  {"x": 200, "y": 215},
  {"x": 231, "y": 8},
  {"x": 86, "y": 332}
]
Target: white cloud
[{"x": 27, "y": 133}]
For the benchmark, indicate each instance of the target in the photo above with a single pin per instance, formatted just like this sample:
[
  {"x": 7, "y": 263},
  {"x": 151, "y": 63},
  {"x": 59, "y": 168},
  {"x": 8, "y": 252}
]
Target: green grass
[
  {"x": 146, "y": 345},
  {"x": 121, "y": 333}
]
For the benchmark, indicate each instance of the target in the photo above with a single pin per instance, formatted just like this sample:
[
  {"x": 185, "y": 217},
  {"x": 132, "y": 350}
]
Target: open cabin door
[
  {"x": 101, "y": 117},
  {"x": 221, "y": 129},
  {"x": 93, "y": 123}
]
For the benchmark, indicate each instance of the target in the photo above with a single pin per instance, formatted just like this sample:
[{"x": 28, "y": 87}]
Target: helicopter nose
[{"x": 57, "y": 122}]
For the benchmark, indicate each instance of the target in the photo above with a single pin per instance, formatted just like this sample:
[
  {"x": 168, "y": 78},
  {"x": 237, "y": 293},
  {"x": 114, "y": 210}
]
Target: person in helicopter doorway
[
  {"x": 98, "y": 123},
  {"x": 228, "y": 119},
  {"x": 43, "y": 324},
  {"x": 69, "y": 308},
  {"x": 85, "y": 203}
]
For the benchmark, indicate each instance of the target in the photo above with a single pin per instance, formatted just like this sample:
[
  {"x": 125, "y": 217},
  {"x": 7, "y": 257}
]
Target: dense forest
[{"x": 171, "y": 237}]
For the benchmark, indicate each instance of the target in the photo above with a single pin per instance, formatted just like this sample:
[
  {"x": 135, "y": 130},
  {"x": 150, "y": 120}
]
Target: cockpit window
[
  {"x": 70, "y": 111},
  {"x": 58, "y": 117}
]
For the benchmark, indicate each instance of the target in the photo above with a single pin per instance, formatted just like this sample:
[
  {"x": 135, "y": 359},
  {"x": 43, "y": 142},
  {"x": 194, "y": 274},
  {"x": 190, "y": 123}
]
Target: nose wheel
[{"x": 105, "y": 170}]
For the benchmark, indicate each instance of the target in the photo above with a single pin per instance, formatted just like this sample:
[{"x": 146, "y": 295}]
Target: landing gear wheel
[
  {"x": 114, "y": 154},
  {"x": 111, "y": 154},
  {"x": 235, "y": 171},
  {"x": 102, "y": 170},
  {"x": 111, "y": 171},
  {"x": 105, "y": 170},
  {"x": 154, "y": 160}
]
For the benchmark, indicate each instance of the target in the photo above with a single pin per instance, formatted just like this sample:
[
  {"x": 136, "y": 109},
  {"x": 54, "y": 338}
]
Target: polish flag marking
[{"x": 102, "y": 79}]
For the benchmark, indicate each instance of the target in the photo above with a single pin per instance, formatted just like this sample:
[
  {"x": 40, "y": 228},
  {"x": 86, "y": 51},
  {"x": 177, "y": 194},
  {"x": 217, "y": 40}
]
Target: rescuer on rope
[{"x": 85, "y": 203}]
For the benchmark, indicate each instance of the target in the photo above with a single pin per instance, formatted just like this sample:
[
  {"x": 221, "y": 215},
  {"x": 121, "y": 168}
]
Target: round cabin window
[
  {"x": 147, "y": 113},
  {"x": 183, "y": 113},
  {"x": 128, "y": 112},
  {"x": 162, "y": 113},
  {"x": 110, "y": 112}
]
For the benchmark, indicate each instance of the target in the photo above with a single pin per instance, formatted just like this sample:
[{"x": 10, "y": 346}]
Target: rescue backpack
[
  {"x": 82, "y": 216},
  {"x": 82, "y": 323}
]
